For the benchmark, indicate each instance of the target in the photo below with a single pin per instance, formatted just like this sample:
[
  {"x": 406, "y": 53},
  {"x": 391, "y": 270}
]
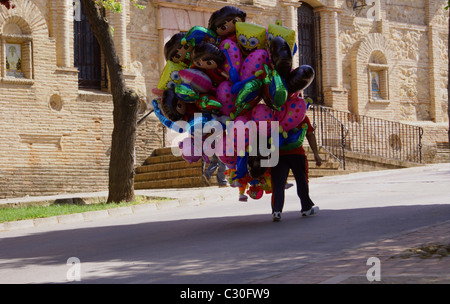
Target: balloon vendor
[{"x": 235, "y": 71}]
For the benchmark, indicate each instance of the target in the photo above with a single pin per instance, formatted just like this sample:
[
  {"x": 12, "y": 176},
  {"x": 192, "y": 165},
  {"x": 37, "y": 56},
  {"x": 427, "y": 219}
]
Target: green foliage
[
  {"x": 8, "y": 214},
  {"x": 116, "y": 7}
]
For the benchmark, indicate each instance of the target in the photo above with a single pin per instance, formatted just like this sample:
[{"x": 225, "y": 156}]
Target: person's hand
[{"x": 318, "y": 160}]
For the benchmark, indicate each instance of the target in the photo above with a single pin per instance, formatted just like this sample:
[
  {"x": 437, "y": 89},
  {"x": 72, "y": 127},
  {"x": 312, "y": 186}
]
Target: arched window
[
  {"x": 17, "y": 66},
  {"x": 378, "y": 77}
]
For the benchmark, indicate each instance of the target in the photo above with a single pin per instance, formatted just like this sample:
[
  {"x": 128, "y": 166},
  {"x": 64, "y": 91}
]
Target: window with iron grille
[
  {"x": 87, "y": 53},
  {"x": 309, "y": 48}
]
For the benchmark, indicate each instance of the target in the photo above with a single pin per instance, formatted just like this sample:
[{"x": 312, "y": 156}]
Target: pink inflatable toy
[
  {"x": 262, "y": 112},
  {"x": 196, "y": 79},
  {"x": 253, "y": 63},
  {"x": 226, "y": 98},
  {"x": 233, "y": 54},
  {"x": 188, "y": 151},
  {"x": 226, "y": 153},
  {"x": 243, "y": 133},
  {"x": 291, "y": 114}
]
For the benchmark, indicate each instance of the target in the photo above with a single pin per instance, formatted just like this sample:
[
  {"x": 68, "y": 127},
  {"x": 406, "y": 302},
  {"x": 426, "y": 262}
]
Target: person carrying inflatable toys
[
  {"x": 293, "y": 159},
  {"x": 223, "y": 22},
  {"x": 238, "y": 71}
]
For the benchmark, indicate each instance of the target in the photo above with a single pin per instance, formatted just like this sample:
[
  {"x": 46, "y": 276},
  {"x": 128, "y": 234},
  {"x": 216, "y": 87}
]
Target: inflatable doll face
[
  {"x": 223, "y": 21},
  {"x": 228, "y": 27},
  {"x": 175, "y": 51},
  {"x": 172, "y": 108},
  {"x": 250, "y": 36},
  {"x": 182, "y": 54},
  {"x": 208, "y": 56},
  {"x": 205, "y": 64},
  {"x": 181, "y": 107}
]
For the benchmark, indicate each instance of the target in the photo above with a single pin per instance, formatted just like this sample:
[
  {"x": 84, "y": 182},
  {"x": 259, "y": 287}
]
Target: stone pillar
[
  {"x": 290, "y": 20},
  {"x": 120, "y": 33},
  {"x": 334, "y": 94},
  {"x": 434, "y": 63},
  {"x": 64, "y": 33}
]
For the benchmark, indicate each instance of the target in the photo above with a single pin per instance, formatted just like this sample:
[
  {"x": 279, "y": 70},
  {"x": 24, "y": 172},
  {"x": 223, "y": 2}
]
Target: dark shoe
[
  {"x": 243, "y": 198},
  {"x": 223, "y": 186}
]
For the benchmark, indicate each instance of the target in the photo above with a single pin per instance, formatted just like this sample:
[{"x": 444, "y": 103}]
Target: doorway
[
  {"x": 309, "y": 49},
  {"x": 87, "y": 53}
]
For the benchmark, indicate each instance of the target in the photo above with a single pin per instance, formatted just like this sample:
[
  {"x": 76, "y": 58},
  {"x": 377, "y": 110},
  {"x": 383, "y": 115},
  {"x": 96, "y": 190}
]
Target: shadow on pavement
[{"x": 234, "y": 249}]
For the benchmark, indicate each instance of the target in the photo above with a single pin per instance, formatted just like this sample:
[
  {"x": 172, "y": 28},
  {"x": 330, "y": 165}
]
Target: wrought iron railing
[
  {"x": 339, "y": 131},
  {"x": 140, "y": 121},
  {"x": 366, "y": 135},
  {"x": 330, "y": 132}
]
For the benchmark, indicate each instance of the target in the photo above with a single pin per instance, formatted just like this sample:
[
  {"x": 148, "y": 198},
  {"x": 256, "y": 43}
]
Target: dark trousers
[{"x": 279, "y": 173}]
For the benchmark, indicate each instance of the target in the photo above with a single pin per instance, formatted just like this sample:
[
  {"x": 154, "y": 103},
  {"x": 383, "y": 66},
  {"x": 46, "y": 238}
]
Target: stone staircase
[
  {"x": 164, "y": 170},
  {"x": 330, "y": 166}
]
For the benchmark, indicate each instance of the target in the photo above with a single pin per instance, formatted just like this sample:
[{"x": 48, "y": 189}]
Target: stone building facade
[{"x": 387, "y": 60}]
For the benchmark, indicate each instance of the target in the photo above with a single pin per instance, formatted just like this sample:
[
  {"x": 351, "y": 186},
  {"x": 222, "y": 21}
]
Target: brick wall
[{"x": 56, "y": 138}]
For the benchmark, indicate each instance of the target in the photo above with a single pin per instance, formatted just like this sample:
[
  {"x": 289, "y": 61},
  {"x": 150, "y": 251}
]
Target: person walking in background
[
  {"x": 294, "y": 159},
  {"x": 214, "y": 164}
]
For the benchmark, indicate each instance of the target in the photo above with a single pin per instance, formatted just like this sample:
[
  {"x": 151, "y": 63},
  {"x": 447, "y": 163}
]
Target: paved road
[{"x": 224, "y": 241}]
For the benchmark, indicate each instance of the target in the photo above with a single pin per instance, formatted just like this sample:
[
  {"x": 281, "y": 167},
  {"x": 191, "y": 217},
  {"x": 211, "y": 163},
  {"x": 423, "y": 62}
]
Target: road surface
[{"x": 225, "y": 241}]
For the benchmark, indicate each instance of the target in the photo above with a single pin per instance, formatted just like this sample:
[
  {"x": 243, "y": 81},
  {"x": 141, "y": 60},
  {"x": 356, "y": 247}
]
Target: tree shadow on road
[{"x": 233, "y": 249}]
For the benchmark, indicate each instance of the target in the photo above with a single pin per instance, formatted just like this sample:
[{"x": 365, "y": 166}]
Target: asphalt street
[{"x": 221, "y": 240}]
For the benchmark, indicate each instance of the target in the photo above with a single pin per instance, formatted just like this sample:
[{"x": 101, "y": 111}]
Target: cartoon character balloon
[
  {"x": 170, "y": 76},
  {"x": 291, "y": 113},
  {"x": 250, "y": 37},
  {"x": 223, "y": 21}
]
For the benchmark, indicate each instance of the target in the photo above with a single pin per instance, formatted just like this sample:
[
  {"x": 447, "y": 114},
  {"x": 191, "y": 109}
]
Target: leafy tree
[{"x": 125, "y": 101}]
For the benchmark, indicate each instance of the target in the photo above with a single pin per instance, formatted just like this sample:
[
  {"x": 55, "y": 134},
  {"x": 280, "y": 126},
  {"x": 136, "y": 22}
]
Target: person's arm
[{"x": 313, "y": 144}]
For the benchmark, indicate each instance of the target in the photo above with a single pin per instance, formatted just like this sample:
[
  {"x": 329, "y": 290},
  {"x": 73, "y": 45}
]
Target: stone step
[
  {"x": 165, "y": 170},
  {"x": 183, "y": 182},
  {"x": 164, "y": 151},
  {"x": 169, "y": 174},
  {"x": 165, "y": 158},
  {"x": 176, "y": 165}
]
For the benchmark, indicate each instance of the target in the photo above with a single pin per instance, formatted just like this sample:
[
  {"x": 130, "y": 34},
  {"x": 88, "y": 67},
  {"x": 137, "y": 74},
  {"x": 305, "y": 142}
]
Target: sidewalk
[{"x": 180, "y": 198}]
